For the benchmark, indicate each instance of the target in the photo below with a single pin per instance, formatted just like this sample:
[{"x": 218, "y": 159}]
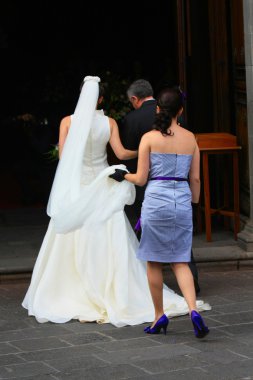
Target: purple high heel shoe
[
  {"x": 162, "y": 323},
  {"x": 200, "y": 329}
]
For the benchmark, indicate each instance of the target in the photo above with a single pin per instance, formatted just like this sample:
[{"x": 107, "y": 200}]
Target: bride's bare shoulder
[{"x": 65, "y": 122}]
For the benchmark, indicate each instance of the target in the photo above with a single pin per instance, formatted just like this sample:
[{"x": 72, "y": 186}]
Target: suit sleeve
[{"x": 128, "y": 134}]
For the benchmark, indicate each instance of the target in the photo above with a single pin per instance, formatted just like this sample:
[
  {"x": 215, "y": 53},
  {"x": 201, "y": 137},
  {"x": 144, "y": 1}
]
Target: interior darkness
[
  {"x": 199, "y": 77},
  {"x": 47, "y": 49}
]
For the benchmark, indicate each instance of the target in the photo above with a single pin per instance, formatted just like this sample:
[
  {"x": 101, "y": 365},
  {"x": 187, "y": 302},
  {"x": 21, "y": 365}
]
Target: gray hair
[{"x": 140, "y": 88}]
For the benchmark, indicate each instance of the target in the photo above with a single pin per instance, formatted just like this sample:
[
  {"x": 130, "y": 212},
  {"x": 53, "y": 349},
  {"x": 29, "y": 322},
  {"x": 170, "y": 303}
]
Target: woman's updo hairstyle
[{"x": 170, "y": 102}]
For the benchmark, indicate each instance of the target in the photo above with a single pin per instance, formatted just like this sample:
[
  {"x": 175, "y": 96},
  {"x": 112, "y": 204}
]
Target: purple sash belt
[
  {"x": 168, "y": 178},
  {"x": 137, "y": 227}
]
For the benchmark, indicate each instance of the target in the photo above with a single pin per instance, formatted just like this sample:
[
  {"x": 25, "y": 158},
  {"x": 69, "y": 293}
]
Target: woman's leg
[
  {"x": 155, "y": 281},
  {"x": 185, "y": 281},
  {"x": 186, "y": 284}
]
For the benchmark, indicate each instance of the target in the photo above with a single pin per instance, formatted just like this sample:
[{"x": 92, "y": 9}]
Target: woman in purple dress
[{"x": 169, "y": 161}]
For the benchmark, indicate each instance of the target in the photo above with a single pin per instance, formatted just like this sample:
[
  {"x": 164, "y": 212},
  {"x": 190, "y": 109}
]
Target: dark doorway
[
  {"x": 47, "y": 49},
  {"x": 195, "y": 70},
  {"x": 199, "y": 69}
]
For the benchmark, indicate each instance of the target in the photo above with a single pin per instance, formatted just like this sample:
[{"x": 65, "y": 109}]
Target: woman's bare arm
[
  {"x": 116, "y": 144},
  {"x": 64, "y": 128},
  {"x": 194, "y": 175}
]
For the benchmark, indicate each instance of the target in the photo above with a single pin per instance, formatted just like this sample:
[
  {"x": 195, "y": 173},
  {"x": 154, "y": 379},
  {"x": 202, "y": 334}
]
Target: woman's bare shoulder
[
  {"x": 145, "y": 137},
  {"x": 112, "y": 121},
  {"x": 152, "y": 133},
  {"x": 186, "y": 132},
  {"x": 65, "y": 122}
]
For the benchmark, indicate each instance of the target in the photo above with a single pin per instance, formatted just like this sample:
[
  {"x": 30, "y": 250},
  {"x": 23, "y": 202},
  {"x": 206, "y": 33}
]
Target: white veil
[
  {"x": 67, "y": 181},
  {"x": 70, "y": 205}
]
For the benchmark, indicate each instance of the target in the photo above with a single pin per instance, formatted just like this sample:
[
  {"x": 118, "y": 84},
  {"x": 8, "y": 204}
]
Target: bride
[{"x": 87, "y": 268}]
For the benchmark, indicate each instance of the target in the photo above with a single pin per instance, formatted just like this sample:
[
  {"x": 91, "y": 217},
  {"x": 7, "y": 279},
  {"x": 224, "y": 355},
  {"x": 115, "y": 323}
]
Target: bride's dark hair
[
  {"x": 170, "y": 102},
  {"x": 101, "y": 87}
]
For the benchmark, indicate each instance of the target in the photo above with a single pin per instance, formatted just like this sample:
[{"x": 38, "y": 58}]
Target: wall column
[{"x": 245, "y": 237}]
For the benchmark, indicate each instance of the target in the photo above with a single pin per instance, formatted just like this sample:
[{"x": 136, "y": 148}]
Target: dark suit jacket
[{"x": 133, "y": 127}]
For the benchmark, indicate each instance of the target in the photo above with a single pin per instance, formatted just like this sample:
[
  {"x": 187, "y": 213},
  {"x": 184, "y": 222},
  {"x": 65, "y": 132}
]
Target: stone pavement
[
  {"x": 22, "y": 232},
  {"x": 74, "y": 350}
]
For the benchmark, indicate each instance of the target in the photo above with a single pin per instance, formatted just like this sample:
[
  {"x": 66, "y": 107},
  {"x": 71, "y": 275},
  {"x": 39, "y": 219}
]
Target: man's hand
[{"x": 119, "y": 175}]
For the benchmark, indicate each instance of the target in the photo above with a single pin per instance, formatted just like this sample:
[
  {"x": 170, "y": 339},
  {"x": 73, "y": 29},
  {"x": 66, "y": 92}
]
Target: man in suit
[
  {"x": 133, "y": 127},
  {"x": 135, "y": 124}
]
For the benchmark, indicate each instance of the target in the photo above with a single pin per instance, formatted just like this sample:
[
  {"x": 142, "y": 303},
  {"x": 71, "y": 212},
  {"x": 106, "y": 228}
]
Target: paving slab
[
  {"x": 77, "y": 350},
  {"x": 33, "y": 351}
]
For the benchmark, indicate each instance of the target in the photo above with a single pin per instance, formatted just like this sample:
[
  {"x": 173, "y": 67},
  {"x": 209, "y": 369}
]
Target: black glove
[
  {"x": 195, "y": 207},
  {"x": 119, "y": 175}
]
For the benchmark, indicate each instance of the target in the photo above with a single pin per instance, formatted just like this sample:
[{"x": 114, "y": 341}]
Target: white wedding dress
[{"x": 92, "y": 273}]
